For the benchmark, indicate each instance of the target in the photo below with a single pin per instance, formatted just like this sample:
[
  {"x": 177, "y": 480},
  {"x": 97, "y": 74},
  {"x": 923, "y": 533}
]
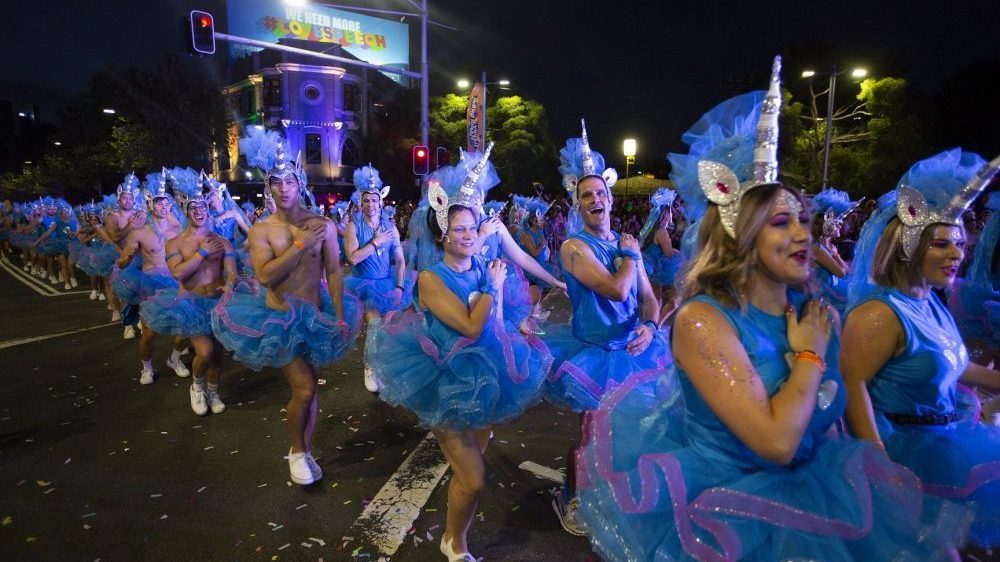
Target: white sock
[
  {"x": 175, "y": 356},
  {"x": 147, "y": 365},
  {"x": 199, "y": 384}
]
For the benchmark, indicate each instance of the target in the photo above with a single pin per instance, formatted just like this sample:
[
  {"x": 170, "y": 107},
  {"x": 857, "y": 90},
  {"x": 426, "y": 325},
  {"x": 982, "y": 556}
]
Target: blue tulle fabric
[
  {"x": 132, "y": 284},
  {"x": 449, "y": 380},
  {"x": 660, "y": 478},
  {"x": 860, "y": 283},
  {"x": 571, "y": 158},
  {"x": 98, "y": 258},
  {"x": 941, "y": 176},
  {"x": 972, "y": 298},
  {"x": 378, "y": 294},
  {"x": 660, "y": 269},
  {"x": 831, "y": 198},
  {"x": 834, "y": 288},
  {"x": 726, "y": 135},
  {"x": 259, "y": 336},
  {"x": 179, "y": 313}
]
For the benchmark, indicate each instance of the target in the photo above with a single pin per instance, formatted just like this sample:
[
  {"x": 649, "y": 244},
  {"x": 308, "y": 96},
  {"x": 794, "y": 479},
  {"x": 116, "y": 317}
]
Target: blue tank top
[
  {"x": 834, "y": 288},
  {"x": 376, "y": 265},
  {"x": 538, "y": 239},
  {"x": 465, "y": 285},
  {"x": 764, "y": 336},
  {"x": 597, "y": 320},
  {"x": 492, "y": 248},
  {"x": 922, "y": 379},
  {"x": 226, "y": 228}
]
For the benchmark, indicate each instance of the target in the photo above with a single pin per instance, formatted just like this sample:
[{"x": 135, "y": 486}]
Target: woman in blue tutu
[
  {"x": 531, "y": 237},
  {"x": 830, "y": 207},
  {"x": 903, "y": 358},
  {"x": 662, "y": 260},
  {"x": 455, "y": 362},
  {"x": 297, "y": 316},
  {"x": 97, "y": 254},
  {"x": 975, "y": 299},
  {"x": 743, "y": 462}
]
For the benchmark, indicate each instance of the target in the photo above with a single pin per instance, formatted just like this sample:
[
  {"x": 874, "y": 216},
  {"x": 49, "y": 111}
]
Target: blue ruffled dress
[
  {"x": 543, "y": 259},
  {"x": 259, "y": 336},
  {"x": 450, "y": 381},
  {"x": 934, "y": 428},
  {"x": 374, "y": 279},
  {"x": 516, "y": 289},
  {"x": 661, "y": 270},
  {"x": 833, "y": 288},
  {"x": 98, "y": 258},
  {"x": 590, "y": 354},
  {"x": 132, "y": 284},
  {"x": 661, "y": 478}
]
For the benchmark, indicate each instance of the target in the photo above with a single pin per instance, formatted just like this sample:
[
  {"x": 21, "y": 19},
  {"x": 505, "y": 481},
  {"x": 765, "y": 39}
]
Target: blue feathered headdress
[
  {"x": 266, "y": 150},
  {"x": 834, "y": 205},
  {"x": 577, "y": 161},
  {"x": 537, "y": 208},
  {"x": 494, "y": 208},
  {"x": 660, "y": 202},
  {"x": 367, "y": 180},
  {"x": 464, "y": 184},
  {"x": 130, "y": 183}
]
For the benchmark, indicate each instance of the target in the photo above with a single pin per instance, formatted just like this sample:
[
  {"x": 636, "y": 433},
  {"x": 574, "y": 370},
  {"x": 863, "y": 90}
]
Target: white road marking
[
  {"x": 542, "y": 471},
  {"x": 384, "y": 522},
  {"x": 35, "y": 285},
  {"x": 22, "y": 341}
]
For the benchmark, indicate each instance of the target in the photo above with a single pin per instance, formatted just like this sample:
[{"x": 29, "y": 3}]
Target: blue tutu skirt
[
  {"x": 18, "y": 239},
  {"x": 132, "y": 284},
  {"x": 75, "y": 250},
  {"x": 470, "y": 385},
  {"x": 180, "y": 314},
  {"x": 99, "y": 259},
  {"x": 582, "y": 373},
  {"x": 959, "y": 462},
  {"x": 647, "y": 494},
  {"x": 54, "y": 246},
  {"x": 662, "y": 271},
  {"x": 377, "y": 294},
  {"x": 259, "y": 336},
  {"x": 516, "y": 296}
]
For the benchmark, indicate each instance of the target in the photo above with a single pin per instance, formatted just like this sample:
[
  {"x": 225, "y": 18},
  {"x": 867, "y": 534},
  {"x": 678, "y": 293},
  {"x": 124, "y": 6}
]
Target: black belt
[{"x": 928, "y": 419}]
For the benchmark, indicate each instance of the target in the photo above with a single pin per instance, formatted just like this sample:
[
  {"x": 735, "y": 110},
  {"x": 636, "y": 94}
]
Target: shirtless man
[
  {"x": 147, "y": 238},
  {"x": 119, "y": 224},
  {"x": 292, "y": 251},
  {"x": 205, "y": 265}
]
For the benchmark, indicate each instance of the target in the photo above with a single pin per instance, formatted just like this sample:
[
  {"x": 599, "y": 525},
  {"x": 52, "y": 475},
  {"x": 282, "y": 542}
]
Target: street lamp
[
  {"x": 108, "y": 111},
  {"x": 628, "y": 149},
  {"x": 463, "y": 84},
  {"x": 855, "y": 73}
]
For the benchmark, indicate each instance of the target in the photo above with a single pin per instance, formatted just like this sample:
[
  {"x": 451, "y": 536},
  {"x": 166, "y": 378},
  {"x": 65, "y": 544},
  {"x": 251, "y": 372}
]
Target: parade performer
[
  {"x": 301, "y": 319},
  {"x": 119, "y": 224},
  {"x": 134, "y": 285},
  {"x": 204, "y": 264},
  {"x": 739, "y": 462},
  {"x": 613, "y": 331},
  {"x": 532, "y": 239},
  {"x": 371, "y": 243},
  {"x": 830, "y": 207},
  {"x": 98, "y": 255},
  {"x": 662, "y": 260},
  {"x": 455, "y": 362},
  {"x": 975, "y": 299},
  {"x": 903, "y": 357}
]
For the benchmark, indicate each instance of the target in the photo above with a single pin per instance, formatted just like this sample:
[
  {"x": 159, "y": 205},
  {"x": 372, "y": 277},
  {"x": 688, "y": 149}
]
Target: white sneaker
[
  {"x": 73, "y": 283},
  {"x": 67, "y": 287},
  {"x": 298, "y": 468},
  {"x": 371, "y": 383},
  {"x": 146, "y": 377},
  {"x": 53, "y": 280},
  {"x": 179, "y": 368},
  {"x": 314, "y": 468},
  {"x": 27, "y": 268},
  {"x": 198, "y": 404},
  {"x": 566, "y": 512},
  {"x": 101, "y": 297},
  {"x": 215, "y": 403},
  {"x": 62, "y": 278},
  {"x": 93, "y": 294},
  {"x": 129, "y": 331},
  {"x": 186, "y": 351}
]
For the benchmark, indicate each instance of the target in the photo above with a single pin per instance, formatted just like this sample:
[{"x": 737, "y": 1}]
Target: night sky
[{"x": 641, "y": 69}]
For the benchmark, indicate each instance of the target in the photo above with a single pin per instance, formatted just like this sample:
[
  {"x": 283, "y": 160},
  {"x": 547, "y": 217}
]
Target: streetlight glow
[
  {"x": 504, "y": 82},
  {"x": 463, "y": 84},
  {"x": 628, "y": 147},
  {"x": 57, "y": 143},
  {"x": 109, "y": 111},
  {"x": 859, "y": 73},
  {"x": 297, "y": 3},
  {"x": 808, "y": 73}
]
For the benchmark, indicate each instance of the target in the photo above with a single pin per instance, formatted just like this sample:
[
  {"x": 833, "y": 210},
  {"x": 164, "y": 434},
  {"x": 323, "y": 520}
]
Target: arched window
[{"x": 349, "y": 153}]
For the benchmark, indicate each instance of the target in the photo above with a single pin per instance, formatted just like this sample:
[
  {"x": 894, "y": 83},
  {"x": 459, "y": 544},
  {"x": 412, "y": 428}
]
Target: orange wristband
[
  {"x": 810, "y": 356},
  {"x": 299, "y": 244}
]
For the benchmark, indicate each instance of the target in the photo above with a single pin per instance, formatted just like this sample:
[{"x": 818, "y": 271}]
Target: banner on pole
[{"x": 476, "y": 119}]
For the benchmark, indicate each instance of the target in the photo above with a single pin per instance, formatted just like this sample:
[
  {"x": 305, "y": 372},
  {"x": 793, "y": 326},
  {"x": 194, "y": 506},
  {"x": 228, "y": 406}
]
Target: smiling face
[
  {"x": 214, "y": 199},
  {"x": 943, "y": 255},
  {"x": 371, "y": 204},
  {"x": 462, "y": 235},
  {"x": 197, "y": 213},
  {"x": 595, "y": 202},
  {"x": 285, "y": 191},
  {"x": 161, "y": 207},
  {"x": 783, "y": 243}
]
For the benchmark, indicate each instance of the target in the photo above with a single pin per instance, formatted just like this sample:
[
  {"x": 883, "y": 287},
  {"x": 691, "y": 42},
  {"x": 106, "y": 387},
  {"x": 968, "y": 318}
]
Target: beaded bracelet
[
  {"x": 203, "y": 253},
  {"x": 810, "y": 356},
  {"x": 628, "y": 253}
]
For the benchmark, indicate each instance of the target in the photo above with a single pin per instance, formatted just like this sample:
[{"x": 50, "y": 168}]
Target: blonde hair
[
  {"x": 890, "y": 266},
  {"x": 724, "y": 266}
]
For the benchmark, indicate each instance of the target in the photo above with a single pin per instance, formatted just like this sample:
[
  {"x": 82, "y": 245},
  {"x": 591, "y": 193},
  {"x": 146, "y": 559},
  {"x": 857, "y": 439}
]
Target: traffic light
[
  {"x": 441, "y": 157},
  {"x": 421, "y": 160},
  {"x": 201, "y": 40}
]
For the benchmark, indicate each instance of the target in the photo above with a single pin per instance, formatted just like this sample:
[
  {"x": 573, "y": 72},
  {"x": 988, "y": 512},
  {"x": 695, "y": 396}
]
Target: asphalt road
[{"x": 94, "y": 466}]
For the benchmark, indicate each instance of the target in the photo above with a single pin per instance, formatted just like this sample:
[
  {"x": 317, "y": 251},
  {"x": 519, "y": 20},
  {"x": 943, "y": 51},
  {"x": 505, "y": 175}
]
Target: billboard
[{"x": 375, "y": 40}]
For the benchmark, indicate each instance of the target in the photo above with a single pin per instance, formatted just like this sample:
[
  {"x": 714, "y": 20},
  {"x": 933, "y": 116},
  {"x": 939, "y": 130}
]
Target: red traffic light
[
  {"x": 201, "y": 35},
  {"x": 421, "y": 161},
  {"x": 205, "y": 21}
]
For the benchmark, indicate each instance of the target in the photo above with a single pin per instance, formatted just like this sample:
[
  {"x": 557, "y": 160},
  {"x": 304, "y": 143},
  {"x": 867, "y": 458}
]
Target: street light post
[
  {"x": 628, "y": 149},
  {"x": 831, "y": 92}
]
